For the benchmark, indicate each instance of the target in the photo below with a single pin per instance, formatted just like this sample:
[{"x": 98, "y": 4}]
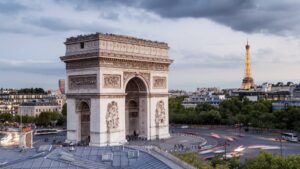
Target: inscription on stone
[
  {"x": 112, "y": 81},
  {"x": 159, "y": 82},
  {"x": 83, "y": 81}
]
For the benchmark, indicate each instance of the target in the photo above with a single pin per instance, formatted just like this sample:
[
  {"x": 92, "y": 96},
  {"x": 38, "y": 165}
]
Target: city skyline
[{"x": 207, "y": 45}]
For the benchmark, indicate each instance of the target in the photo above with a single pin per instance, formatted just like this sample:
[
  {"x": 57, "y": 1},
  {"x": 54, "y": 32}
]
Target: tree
[
  {"x": 205, "y": 107},
  {"x": 268, "y": 120},
  {"x": 230, "y": 107},
  {"x": 288, "y": 118},
  {"x": 268, "y": 161},
  {"x": 47, "y": 118},
  {"x": 175, "y": 105},
  {"x": 264, "y": 161},
  {"x": 194, "y": 160},
  {"x": 219, "y": 162},
  {"x": 64, "y": 110},
  {"x": 211, "y": 117},
  {"x": 31, "y": 91},
  {"x": 6, "y": 117},
  {"x": 292, "y": 162},
  {"x": 25, "y": 119}
]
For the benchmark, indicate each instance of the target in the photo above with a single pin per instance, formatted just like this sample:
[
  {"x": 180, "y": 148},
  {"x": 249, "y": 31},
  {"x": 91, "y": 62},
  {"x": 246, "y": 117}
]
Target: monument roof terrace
[{"x": 116, "y": 38}]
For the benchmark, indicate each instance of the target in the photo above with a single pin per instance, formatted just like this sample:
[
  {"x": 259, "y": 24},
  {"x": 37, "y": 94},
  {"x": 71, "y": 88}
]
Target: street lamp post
[
  {"x": 280, "y": 140},
  {"x": 281, "y": 147},
  {"x": 225, "y": 149},
  {"x": 21, "y": 121},
  {"x": 240, "y": 128}
]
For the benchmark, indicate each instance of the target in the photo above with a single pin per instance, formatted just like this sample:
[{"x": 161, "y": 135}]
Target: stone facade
[
  {"x": 35, "y": 108},
  {"x": 123, "y": 82}
]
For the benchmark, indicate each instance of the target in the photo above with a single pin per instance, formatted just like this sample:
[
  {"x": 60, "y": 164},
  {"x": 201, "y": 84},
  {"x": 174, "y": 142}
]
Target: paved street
[
  {"x": 58, "y": 138},
  {"x": 247, "y": 144},
  {"x": 211, "y": 141}
]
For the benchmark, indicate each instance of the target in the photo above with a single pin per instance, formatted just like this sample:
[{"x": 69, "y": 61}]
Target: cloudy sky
[{"x": 207, "y": 37}]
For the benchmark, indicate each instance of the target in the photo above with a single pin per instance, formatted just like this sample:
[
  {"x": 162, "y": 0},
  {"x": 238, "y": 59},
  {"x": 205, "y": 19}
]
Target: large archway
[
  {"x": 84, "y": 122},
  {"x": 136, "y": 108}
]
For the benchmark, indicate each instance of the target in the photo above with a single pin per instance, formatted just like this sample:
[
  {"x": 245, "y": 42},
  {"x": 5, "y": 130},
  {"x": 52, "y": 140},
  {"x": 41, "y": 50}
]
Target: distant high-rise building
[
  {"x": 248, "y": 80},
  {"x": 61, "y": 84}
]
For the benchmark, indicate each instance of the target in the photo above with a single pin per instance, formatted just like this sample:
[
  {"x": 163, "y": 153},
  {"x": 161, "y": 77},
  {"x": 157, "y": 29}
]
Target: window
[{"x": 81, "y": 45}]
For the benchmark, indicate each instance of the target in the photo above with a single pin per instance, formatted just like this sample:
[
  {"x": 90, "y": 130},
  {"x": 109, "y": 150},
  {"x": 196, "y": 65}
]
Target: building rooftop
[
  {"x": 39, "y": 103},
  {"x": 83, "y": 157}
]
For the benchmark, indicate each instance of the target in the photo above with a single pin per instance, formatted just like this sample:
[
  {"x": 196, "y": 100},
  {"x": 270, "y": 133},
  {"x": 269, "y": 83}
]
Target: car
[
  {"x": 184, "y": 127},
  {"x": 278, "y": 139},
  {"x": 219, "y": 151},
  {"x": 214, "y": 135}
]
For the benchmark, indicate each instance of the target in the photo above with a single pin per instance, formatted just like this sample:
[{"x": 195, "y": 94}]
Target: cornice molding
[
  {"x": 116, "y": 38},
  {"x": 116, "y": 56},
  {"x": 110, "y": 95}
]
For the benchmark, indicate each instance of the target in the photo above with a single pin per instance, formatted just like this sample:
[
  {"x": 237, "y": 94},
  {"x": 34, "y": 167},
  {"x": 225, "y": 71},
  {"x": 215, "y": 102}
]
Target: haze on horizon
[{"x": 207, "y": 38}]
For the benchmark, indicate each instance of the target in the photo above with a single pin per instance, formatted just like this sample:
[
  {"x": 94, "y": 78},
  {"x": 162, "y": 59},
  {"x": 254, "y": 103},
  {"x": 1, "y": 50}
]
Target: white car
[
  {"x": 219, "y": 151},
  {"x": 184, "y": 127}
]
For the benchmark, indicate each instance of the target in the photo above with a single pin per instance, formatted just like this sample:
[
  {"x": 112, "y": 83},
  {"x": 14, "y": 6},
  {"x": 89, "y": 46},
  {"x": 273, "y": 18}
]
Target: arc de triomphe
[{"x": 117, "y": 86}]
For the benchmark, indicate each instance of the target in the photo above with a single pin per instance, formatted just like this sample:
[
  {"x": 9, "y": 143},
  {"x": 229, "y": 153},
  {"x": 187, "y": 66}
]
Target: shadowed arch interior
[
  {"x": 136, "y": 85},
  {"x": 135, "y": 90},
  {"x": 85, "y": 122}
]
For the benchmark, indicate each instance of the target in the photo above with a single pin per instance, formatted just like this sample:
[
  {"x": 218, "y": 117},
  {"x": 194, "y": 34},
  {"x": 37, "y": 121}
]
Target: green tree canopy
[
  {"x": 46, "y": 118},
  {"x": 64, "y": 110},
  {"x": 6, "y": 117},
  {"x": 205, "y": 107},
  {"x": 268, "y": 161}
]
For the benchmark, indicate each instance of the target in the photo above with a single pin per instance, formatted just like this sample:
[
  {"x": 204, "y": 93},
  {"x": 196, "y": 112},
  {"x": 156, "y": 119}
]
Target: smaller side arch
[{"x": 84, "y": 117}]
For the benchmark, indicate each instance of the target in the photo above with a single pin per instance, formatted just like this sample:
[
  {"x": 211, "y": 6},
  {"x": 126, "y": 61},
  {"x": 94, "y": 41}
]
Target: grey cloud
[
  {"x": 49, "y": 23},
  {"x": 198, "y": 8},
  {"x": 59, "y": 24},
  {"x": 47, "y": 69},
  {"x": 206, "y": 60},
  {"x": 11, "y": 7},
  {"x": 247, "y": 15},
  {"x": 110, "y": 15},
  {"x": 251, "y": 16},
  {"x": 277, "y": 17}
]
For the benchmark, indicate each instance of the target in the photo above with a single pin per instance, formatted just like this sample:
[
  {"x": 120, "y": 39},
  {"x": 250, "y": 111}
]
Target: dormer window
[{"x": 81, "y": 45}]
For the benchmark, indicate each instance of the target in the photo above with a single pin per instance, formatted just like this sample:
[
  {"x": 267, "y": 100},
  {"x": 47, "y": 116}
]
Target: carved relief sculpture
[
  {"x": 112, "y": 116},
  {"x": 160, "y": 113},
  {"x": 146, "y": 76},
  {"x": 111, "y": 81},
  {"x": 83, "y": 82},
  {"x": 159, "y": 82}
]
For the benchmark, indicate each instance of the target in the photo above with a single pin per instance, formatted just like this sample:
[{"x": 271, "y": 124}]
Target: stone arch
[
  {"x": 84, "y": 112},
  {"x": 141, "y": 81},
  {"x": 136, "y": 90}
]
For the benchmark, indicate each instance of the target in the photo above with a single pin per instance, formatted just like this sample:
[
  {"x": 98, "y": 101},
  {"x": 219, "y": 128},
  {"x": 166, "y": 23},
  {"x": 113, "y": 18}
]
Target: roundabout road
[{"x": 241, "y": 144}]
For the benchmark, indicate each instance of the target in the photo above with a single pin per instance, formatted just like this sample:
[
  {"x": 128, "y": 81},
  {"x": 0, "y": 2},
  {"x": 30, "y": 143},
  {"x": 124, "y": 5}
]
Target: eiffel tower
[{"x": 248, "y": 80}]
